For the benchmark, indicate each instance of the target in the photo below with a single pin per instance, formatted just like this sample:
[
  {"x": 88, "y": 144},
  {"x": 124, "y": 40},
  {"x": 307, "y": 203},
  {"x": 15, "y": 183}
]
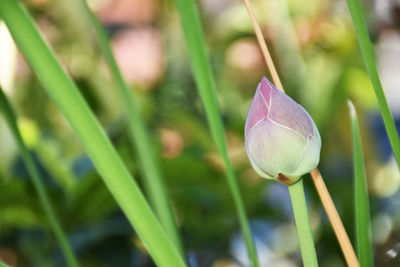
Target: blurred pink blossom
[
  {"x": 128, "y": 11},
  {"x": 139, "y": 54}
]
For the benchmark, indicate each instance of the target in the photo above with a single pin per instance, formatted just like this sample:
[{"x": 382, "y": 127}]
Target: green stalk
[
  {"x": 361, "y": 201},
  {"x": 154, "y": 183},
  {"x": 2, "y": 264},
  {"x": 369, "y": 60},
  {"x": 303, "y": 226},
  {"x": 201, "y": 68},
  {"x": 11, "y": 120},
  {"x": 99, "y": 148}
]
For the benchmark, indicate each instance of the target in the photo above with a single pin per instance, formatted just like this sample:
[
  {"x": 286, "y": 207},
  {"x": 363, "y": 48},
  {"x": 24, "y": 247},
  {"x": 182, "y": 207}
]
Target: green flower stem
[
  {"x": 153, "y": 181},
  {"x": 2, "y": 264},
  {"x": 369, "y": 60},
  {"x": 361, "y": 201},
  {"x": 303, "y": 226},
  {"x": 55, "y": 225},
  {"x": 99, "y": 148},
  {"x": 201, "y": 68}
]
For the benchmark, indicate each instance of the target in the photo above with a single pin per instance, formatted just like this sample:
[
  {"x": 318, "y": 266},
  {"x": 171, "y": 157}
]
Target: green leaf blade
[
  {"x": 370, "y": 64},
  {"x": 361, "y": 201},
  {"x": 93, "y": 138},
  {"x": 201, "y": 68}
]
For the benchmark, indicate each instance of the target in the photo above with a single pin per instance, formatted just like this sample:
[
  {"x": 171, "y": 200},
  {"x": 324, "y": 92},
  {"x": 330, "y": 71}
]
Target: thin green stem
[
  {"x": 2, "y": 264},
  {"x": 99, "y": 148},
  {"x": 11, "y": 120},
  {"x": 369, "y": 60},
  {"x": 361, "y": 201},
  {"x": 201, "y": 68},
  {"x": 303, "y": 226},
  {"x": 154, "y": 183}
]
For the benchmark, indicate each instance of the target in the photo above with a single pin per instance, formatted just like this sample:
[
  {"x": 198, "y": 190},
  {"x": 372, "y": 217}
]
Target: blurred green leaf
[
  {"x": 369, "y": 60},
  {"x": 2, "y": 264},
  {"x": 201, "y": 68},
  {"x": 361, "y": 201},
  {"x": 140, "y": 137},
  {"x": 11, "y": 119}
]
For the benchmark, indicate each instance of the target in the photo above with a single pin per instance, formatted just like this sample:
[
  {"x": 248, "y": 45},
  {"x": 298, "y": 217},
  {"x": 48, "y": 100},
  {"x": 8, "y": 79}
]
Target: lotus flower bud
[{"x": 282, "y": 141}]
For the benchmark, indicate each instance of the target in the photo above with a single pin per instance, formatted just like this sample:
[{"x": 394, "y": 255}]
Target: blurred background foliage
[{"x": 318, "y": 59}]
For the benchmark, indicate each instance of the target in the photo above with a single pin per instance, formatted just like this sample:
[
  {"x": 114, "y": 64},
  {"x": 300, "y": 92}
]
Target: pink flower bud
[{"x": 282, "y": 141}]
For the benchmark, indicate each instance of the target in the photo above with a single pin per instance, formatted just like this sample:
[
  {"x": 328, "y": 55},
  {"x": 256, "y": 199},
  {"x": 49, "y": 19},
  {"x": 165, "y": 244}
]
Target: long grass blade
[
  {"x": 369, "y": 61},
  {"x": 201, "y": 68},
  {"x": 99, "y": 148},
  {"x": 361, "y": 201},
  {"x": 11, "y": 120},
  {"x": 297, "y": 196},
  {"x": 154, "y": 182}
]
